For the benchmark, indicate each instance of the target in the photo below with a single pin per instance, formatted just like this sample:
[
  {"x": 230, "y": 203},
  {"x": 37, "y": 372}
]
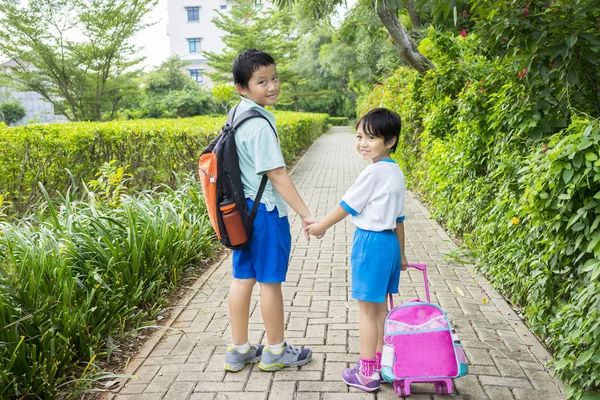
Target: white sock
[
  {"x": 276, "y": 348},
  {"x": 242, "y": 348}
]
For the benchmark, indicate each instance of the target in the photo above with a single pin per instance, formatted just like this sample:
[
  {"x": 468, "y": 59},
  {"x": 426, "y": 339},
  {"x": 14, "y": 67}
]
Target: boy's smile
[
  {"x": 371, "y": 147},
  {"x": 263, "y": 87}
]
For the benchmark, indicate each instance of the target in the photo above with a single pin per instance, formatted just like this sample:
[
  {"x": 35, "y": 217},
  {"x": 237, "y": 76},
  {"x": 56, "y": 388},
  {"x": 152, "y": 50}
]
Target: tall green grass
[{"x": 79, "y": 275}]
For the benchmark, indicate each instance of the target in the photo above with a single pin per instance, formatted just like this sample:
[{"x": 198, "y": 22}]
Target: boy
[{"x": 265, "y": 259}]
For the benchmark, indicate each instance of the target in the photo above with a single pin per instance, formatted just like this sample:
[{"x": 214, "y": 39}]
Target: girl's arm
[
  {"x": 400, "y": 236},
  {"x": 335, "y": 216}
]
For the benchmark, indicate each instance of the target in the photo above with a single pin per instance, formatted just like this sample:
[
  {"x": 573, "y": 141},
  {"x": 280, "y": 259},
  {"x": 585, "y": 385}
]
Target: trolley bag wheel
[
  {"x": 400, "y": 388},
  {"x": 441, "y": 388}
]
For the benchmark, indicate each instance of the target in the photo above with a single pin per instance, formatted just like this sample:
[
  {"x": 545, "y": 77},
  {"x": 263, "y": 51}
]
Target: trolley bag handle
[{"x": 420, "y": 267}]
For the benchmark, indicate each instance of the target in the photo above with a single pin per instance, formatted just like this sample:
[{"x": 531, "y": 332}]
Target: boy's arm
[
  {"x": 400, "y": 236},
  {"x": 335, "y": 216},
  {"x": 285, "y": 187}
]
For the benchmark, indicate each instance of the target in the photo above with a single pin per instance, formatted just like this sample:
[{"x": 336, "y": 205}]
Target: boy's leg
[
  {"x": 241, "y": 352},
  {"x": 278, "y": 354},
  {"x": 239, "y": 297},
  {"x": 271, "y": 307}
]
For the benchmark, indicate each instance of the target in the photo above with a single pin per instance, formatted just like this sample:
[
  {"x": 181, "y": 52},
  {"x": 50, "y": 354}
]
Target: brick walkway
[{"x": 506, "y": 361}]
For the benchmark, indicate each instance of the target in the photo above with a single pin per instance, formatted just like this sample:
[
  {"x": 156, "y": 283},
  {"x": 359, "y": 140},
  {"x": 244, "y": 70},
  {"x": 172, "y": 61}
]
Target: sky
[{"x": 154, "y": 39}]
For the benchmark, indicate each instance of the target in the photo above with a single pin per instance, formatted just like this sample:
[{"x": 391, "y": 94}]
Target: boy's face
[
  {"x": 263, "y": 86},
  {"x": 372, "y": 148}
]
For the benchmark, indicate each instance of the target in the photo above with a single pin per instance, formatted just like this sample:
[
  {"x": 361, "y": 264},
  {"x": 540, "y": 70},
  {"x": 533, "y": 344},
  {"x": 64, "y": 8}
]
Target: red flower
[
  {"x": 464, "y": 12},
  {"x": 544, "y": 148},
  {"x": 526, "y": 12},
  {"x": 522, "y": 73},
  {"x": 551, "y": 62},
  {"x": 463, "y": 33},
  {"x": 505, "y": 39},
  {"x": 458, "y": 60}
]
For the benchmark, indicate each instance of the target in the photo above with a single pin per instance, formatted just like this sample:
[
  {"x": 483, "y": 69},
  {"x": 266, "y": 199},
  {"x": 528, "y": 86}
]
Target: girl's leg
[
  {"x": 368, "y": 313},
  {"x": 239, "y": 309}
]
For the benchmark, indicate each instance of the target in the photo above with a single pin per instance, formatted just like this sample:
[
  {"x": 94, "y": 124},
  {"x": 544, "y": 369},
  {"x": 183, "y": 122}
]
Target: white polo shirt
[{"x": 376, "y": 200}]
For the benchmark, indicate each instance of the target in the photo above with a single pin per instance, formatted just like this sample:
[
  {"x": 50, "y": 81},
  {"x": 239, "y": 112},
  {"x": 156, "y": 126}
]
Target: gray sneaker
[
  {"x": 288, "y": 356},
  {"x": 236, "y": 361}
]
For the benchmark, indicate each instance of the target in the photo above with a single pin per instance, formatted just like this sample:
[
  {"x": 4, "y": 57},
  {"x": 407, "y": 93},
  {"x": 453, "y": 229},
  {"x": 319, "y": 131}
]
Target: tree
[
  {"x": 171, "y": 93},
  {"x": 11, "y": 112},
  {"x": 86, "y": 78},
  {"x": 387, "y": 11},
  {"x": 248, "y": 26},
  {"x": 224, "y": 96}
]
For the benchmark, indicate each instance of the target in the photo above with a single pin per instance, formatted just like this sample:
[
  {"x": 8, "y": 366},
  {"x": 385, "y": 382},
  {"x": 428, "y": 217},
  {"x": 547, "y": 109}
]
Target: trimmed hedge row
[
  {"x": 518, "y": 176},
  {"x": 90, "y": 268},
  {"x": 154, "y": 150}
]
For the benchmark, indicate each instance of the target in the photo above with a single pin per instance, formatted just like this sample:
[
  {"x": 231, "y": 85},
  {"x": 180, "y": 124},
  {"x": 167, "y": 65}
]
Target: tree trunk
[
  {"x": 403, "y": 43},
  {"x": 414, "y": 17}
]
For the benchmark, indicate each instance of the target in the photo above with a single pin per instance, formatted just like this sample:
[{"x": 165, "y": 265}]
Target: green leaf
[
  {"x": 578, "y": 160},
  {"x": 571, "y": 40},
  {"x": 590, "y": 156},
  {"x": 567, "y": 175},
  {"x": 578, "y": 226},
  {"x": 589, "y": 265},
  {"x": 560, "y": 364}
]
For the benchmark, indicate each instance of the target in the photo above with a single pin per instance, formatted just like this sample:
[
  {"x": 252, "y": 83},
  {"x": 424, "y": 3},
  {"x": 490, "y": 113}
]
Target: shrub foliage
[{"x": 505, "y": 161}]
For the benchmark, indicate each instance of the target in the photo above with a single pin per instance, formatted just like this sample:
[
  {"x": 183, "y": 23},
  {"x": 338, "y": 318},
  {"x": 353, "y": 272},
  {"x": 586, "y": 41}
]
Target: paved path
[{"x": 506, "y": 361}]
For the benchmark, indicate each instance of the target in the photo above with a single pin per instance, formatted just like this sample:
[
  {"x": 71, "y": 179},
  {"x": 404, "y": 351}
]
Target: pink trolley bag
[{"x": 420, "y": 345}]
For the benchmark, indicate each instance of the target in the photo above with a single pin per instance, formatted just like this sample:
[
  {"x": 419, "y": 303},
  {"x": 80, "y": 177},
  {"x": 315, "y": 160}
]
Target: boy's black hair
[
  {"x": 382, "y": 123},
  {"x": 247, "y": 62}
]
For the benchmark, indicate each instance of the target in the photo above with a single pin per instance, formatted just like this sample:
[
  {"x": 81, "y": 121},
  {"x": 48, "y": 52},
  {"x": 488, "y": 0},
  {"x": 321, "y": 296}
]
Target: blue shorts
[
  {"x": 267, "y": 255},
  {"x": 375, "y": 263}
]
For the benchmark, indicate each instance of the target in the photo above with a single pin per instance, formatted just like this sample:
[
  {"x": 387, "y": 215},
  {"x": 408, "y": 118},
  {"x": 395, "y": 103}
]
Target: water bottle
[{"x": 233, "y": 222}]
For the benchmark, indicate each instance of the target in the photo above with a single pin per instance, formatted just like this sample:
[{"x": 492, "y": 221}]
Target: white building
[{"x": 191, "y": 32}]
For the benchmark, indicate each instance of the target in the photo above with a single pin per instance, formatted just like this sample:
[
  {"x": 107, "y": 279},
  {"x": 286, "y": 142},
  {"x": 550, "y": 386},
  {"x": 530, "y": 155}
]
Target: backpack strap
[{"x": 235, "y": 122}]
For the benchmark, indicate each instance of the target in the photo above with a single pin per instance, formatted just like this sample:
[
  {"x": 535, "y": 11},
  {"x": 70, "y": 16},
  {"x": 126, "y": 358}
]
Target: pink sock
[
  {"x": 367, "y": 367},
  {"x": 378, "y": 358}
]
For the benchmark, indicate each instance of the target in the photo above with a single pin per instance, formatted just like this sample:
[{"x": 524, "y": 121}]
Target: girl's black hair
[
  {"x": 382, "y": 123},
  {"x": 247, "y": 62}
]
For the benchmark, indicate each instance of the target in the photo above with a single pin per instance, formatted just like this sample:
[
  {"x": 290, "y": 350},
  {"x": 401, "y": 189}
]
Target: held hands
[
  {"x": 306, "y": 222},
  {"x": 317, "y": 230}
]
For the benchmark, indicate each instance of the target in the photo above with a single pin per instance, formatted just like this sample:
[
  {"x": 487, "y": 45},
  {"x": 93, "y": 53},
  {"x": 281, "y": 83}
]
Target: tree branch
[{"x": 402, "y": 41}]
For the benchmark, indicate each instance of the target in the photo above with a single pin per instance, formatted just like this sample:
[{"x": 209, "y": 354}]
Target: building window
[
  {"x": 197, "y": 75},
  {"x": 223, "y": 6},
  {"x": 194, "y": 45},
  {"x": 193, "y": 14}
]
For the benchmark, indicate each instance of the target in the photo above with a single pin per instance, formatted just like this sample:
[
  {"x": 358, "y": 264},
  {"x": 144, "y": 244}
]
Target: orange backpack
[{"x": 221, "y": 179}]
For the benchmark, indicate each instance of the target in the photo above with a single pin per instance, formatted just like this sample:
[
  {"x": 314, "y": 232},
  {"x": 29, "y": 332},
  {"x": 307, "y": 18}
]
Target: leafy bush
[
  {"x": 338, "y": 121},
  {"x": 505, "y": 162},
  {"x": 75, "y": 280},
  {"x": 11, "y": 112},
  {"x": 59, "y": 154}
]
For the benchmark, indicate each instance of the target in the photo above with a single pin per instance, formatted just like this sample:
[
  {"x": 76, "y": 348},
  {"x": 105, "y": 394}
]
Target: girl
[{"x": 376, "y": 203}]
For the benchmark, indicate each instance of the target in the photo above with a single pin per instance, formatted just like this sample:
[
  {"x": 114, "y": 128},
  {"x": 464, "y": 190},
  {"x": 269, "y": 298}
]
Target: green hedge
[
  {"x": 339, "y": 121},
  {"x": 153, "y": 150},
  {"x": 88, "y": 267},
  {"x": 504, "y": 162}
]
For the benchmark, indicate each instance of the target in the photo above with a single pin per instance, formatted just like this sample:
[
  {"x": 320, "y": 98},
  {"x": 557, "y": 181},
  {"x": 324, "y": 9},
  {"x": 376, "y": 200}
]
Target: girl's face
[{"x": 371, "y": 147}]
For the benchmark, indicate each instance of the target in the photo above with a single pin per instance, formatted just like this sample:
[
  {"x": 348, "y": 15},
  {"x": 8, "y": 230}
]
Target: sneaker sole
[
  {"x": 239, "y": 367},
  {"x": 361, "y": 387},
  {"x": 277, "y": 367}
]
